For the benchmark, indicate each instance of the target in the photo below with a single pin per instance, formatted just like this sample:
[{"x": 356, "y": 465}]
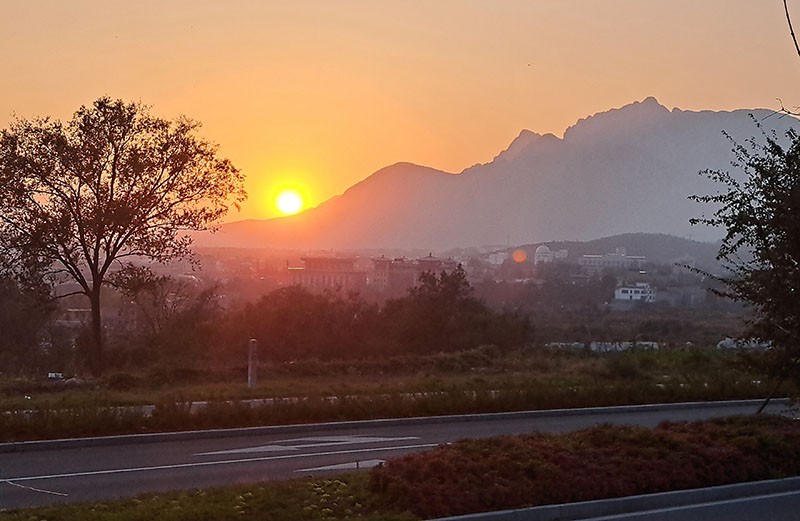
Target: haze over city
[{"x": 315, "y": 96}]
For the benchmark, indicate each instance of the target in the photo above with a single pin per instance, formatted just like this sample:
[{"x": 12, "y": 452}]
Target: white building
[
  {"x": 497, "y": 258},
  {"x": 617, "y": 260},
  {"x": 544, "y": 255},
  {"x": 641, "y": 291}
]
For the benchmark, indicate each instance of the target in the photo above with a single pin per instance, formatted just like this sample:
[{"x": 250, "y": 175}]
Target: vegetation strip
[
  {"x": 333, "y": 426},
  {"x": 484, "y": 380}
]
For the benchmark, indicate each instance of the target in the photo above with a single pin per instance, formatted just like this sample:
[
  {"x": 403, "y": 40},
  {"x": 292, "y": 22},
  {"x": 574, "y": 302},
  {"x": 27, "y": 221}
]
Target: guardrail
[{"x": 634, "y": 504}]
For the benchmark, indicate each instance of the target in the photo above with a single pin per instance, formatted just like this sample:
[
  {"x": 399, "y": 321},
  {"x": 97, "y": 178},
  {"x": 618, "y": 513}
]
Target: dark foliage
[
  {"x": 24, "y": 315},
  {"x": 173, "y": 320},
  {"x": 760, "y": 212},
  {"x": 601, "y": 462},
  {"x": 440, "y": 314},
  {"x": 293, "y": 323}
]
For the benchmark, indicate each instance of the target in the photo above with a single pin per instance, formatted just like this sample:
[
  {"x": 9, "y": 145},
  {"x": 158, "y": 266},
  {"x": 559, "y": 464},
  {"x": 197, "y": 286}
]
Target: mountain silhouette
[{"x": 626, "y": 170}]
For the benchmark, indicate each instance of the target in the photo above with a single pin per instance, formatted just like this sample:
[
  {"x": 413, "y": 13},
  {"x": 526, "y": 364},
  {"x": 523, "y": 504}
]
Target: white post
[{"x": 252, "y": 362}]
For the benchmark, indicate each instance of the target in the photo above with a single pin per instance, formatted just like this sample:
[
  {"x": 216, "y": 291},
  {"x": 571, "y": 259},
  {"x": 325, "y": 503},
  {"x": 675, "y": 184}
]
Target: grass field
[{"x": 482, "y": 380}]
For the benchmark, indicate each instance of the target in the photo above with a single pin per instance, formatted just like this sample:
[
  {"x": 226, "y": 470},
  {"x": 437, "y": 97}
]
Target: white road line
[
  {"x": 221, "y": 462},
  {"x": 362, "y": 464},
  {"x": 304, "y": 443},
  {"x": 33, "y": 489}
]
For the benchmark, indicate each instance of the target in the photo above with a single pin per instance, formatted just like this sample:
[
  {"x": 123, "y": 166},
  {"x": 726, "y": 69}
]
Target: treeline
[
  {"x": 440, "y": 314},
  {"x": 165, "y": 322}
]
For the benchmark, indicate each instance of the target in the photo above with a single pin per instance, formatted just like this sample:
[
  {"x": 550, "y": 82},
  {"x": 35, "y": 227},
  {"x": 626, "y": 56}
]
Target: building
[
  {"x": 497, "y": 258},
  {"x": 328, "y": 273},
  {"x": 393, "y": 277},
  {"x": 617, "y": 260},
  {"x": 544, "y": 254},
  {"x": 641, "y": 292}
]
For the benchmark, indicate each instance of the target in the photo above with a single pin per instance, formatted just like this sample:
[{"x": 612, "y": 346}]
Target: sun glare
[{"x": 289, "y": 202}]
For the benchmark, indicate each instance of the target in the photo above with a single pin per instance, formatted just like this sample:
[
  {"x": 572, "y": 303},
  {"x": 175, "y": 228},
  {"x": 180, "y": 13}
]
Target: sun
[{"x": 289, "y": 202}]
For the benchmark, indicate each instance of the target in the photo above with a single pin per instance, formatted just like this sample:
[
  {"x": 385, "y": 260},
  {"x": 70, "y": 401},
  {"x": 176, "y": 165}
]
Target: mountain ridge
[{"x": 628, "y": 169}]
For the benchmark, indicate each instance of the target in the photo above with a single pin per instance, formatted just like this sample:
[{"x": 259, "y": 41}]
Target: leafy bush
[
  {"x": 600, "y": 462},
  {"x": 122, "y": 382}
]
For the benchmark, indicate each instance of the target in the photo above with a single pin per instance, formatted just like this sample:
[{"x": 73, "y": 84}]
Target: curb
[
  {"x": 635, "y": 504},
  {"x": 126, "y": 439}
]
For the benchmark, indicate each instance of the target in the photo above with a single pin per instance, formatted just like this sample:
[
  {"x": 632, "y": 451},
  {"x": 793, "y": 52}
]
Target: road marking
[
  {"x": 221, "y": 462},
  {"x": 308, "y": 443},
  {"x": 33, "y": 489},
  {"x": 365, "y": 464}
]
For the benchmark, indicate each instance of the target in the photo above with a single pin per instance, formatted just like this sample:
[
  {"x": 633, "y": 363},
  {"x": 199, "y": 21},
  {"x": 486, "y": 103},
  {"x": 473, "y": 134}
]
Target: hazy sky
[{"x": 319, "y": 94}]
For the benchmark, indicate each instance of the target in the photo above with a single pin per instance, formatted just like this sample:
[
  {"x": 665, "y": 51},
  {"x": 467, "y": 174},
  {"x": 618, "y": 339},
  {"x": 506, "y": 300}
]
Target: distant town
[{"x": 617, "y": 280}]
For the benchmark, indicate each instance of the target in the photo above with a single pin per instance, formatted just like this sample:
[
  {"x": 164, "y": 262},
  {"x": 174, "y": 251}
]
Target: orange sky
[{"x": 319, "y": 94}]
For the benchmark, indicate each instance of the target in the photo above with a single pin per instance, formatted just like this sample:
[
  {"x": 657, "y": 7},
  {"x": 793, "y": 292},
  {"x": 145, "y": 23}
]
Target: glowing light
[
  {"x": 519, "y": 256},
  {"x": 289, "y": 202}
]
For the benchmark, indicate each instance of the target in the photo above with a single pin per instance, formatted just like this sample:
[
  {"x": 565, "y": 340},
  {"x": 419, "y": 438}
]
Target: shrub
[
  {"x": 122, "y": 382},
  {"x": 600, "y": 462}
]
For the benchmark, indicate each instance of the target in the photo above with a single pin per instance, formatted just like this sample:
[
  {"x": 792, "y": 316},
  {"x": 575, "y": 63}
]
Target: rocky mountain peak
[
  {"x": 625, "y": 120},
  {"x": 523, "y": 143}
]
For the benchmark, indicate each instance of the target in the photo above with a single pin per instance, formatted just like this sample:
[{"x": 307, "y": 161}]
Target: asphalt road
[{"x": 47, "y": 475}]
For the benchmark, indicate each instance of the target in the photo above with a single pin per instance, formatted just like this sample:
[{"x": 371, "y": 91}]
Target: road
[{"x": 47, "y": 475}]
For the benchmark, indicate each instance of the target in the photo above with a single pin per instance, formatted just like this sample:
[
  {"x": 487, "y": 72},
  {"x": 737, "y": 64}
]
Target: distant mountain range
[{"x": 625, "y": 170}]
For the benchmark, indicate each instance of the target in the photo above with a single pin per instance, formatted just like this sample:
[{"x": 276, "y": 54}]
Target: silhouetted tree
[
  {"x": 293, "y": 323},
  {"x": 174, "y": 317},
  {"x": 24, "y": 313},
  {"x": 81, "y": 199},
  {"x": 441, "y": 314},
  {"x": 760, "y": 212},
  {"x": 446, "y": 289}
]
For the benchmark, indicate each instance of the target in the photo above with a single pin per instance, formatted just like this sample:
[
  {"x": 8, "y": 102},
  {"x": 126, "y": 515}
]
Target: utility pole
[{"x": 252, "y": 363}]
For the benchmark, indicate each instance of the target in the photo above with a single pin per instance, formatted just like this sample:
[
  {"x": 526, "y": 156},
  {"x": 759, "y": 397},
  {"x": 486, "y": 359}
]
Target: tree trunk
[
  {"x": 96, "y": 362},
  {"x": 771, "y": 394}
]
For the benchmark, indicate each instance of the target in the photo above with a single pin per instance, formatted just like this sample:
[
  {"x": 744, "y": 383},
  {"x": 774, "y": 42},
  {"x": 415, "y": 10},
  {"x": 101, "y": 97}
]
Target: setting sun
[{"x": 289, "y": 202}]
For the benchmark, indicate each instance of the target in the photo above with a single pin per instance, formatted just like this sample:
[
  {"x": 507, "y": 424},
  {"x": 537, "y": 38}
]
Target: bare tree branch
[{"x": 791, "y": 29}]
